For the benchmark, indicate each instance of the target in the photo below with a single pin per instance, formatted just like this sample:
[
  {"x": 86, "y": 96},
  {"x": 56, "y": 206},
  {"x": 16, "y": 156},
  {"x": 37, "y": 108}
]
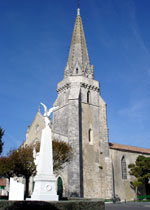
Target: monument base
[{"x": 44, "y": 188}]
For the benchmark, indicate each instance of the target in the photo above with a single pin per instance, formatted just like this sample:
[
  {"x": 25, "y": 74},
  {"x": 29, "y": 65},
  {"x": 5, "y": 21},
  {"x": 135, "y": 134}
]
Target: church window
[
  {"x": 90, "y": 136},
  {"x": 123, "y": 168},
  {"x": 76, "y": 70},
  {"x": 88, "y": 97},
  {"x": 36, "y": 141},
  {"x": 37, "y": 127}
]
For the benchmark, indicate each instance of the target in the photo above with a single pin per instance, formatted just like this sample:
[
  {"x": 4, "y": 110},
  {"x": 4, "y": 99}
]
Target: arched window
[
  {"x": 60, "y": 187},
  {"x": 123, "y": 168},
  {"x": 88, "y": 97},
  {"x": 90, "y": 136},
  {"x": 76, "y": 70},
  {"x": 37, "y": 128},
  {"x": 35, "y": 142}
]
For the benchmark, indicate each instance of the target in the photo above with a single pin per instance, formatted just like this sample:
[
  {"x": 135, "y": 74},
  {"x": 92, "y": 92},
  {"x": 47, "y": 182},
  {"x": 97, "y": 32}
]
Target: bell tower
[{"x": 81, "y": 120}]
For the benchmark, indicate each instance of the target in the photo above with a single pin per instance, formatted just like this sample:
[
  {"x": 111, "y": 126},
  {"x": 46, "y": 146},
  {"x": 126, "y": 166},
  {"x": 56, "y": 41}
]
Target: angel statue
[{"x": 47, "y": 114}]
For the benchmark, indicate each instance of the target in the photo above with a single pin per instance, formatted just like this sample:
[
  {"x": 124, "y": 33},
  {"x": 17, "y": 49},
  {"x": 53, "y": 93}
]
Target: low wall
[{"x": 61, "y": 205}]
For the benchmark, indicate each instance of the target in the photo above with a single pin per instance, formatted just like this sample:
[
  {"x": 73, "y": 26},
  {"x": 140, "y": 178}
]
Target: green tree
[
  {"x": 62, "y": 154},
  {"x": 23, "y": 164},
  {"x": 141, "y": 170},
  {"x": 18, "y": 163},
  {"x": 6, "y": 167},
  {"x": 1, "y": 142}
]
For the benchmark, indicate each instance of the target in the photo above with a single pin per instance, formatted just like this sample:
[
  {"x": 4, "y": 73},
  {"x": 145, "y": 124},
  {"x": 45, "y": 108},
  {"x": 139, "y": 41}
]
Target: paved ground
[{"x": 128, "y": 206}]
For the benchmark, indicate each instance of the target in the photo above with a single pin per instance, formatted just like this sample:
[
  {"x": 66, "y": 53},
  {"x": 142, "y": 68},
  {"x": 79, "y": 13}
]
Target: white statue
[
  {"x": 36, "y": 158},
  {"x": 45, "y": 181},
  {"x": 48, "y": 122},
  {"x": 47, "y": 114}
]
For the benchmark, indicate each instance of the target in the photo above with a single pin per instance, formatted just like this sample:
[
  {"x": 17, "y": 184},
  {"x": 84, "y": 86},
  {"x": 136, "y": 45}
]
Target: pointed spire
[{"x": 78, "y": 60}]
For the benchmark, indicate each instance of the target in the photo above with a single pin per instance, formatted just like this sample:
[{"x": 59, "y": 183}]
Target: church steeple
[{"x": 78, "y": 60}]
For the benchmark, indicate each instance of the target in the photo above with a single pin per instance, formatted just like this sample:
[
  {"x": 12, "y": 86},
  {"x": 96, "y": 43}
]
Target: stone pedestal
[{"x": 45, "y": 188}]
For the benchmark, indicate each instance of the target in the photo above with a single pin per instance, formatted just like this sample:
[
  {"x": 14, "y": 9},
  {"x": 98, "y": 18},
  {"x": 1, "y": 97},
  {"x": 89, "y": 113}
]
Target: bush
[{"x": 64, "y": 205}]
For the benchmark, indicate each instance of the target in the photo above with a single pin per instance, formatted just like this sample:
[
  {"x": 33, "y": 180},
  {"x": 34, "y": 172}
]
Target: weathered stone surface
[
  {"x": 75, "y": 117},
  {"x": 78, "y": 59},
  {"x": 123, "y": 187},
  {"x": 82, "y": 119},
  {"x": 34, "y": 131}
]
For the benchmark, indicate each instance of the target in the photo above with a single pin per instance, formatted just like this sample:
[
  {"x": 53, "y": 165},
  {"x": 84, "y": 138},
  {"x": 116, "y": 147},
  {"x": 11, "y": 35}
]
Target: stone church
[{"x": 99, "y": 169}]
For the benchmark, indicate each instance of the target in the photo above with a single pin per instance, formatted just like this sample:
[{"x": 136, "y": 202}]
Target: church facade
[{"x": 99, "y": 169}]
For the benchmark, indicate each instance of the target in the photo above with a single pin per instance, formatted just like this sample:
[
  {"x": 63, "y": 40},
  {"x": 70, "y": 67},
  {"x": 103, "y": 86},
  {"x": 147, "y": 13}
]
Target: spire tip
[{"x": 78, "y": 11}]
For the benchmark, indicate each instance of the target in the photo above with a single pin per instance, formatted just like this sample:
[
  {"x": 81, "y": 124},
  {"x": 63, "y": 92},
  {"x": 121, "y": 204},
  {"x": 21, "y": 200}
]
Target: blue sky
[{"x": 35, "y": 37}]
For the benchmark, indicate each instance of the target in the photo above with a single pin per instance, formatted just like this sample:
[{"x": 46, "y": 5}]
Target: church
[{"x": 99, "y": 168}]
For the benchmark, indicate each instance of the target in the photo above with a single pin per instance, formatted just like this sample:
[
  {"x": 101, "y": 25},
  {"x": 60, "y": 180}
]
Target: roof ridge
[{"x": 128, "y": 148}]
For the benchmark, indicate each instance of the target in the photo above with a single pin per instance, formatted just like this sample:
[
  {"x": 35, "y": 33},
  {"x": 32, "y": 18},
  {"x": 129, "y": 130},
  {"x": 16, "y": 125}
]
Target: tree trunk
[
  {"x": 136, "y": 192},
  {"x": 27, "y": 187},
  {"x": 147, "y": 187}
]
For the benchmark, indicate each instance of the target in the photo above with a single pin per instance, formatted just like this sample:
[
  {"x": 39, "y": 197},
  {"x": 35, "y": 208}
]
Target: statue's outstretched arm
[
  {"x": 52, "y": 109},
  {"x": 45, "y": 109}
]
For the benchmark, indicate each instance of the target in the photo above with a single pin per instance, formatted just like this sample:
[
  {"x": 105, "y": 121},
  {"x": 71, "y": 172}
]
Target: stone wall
[
  {"x": 105, "y": 160},
  {"x": 91, "y": 151},
  {"x": 82, "y": 112},
  {"x": 66, "y": 124},
  {"x": 123, "y": 187},
  {"x": 34, "y": 131}
]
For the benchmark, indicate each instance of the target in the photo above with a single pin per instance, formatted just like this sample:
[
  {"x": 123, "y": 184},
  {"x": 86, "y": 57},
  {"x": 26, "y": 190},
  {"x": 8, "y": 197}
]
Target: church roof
[
  {"x": 78, "y": 60},
  {"x": 129, "y": 148},
  {"x": 2, "y": 182}
]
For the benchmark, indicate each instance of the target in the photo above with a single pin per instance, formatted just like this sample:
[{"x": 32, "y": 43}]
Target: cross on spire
[
  {"x": 78, "y": 4},
  {"x": 78, "y": 9}
]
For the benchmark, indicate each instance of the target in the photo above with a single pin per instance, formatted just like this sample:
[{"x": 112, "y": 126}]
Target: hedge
[{"x": 60, "y": 205}]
